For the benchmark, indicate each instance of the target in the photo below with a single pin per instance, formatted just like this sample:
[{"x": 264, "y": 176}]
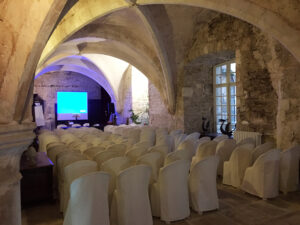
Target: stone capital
[{"x": 14, "y": 140}]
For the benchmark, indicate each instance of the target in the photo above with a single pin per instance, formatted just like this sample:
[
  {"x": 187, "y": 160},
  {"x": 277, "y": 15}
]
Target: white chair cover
[
  {"x": 53, "y": 144},
  {"x": 203, "y": 185},
  {"x": 193, "y": 136},
  {"x": 76, "y": 125},
  {"x": 147, "y": 134},
  {"x": 224, "y": 150},
  {"x": 178, "y": 139},
  {"x": 68, "y": 138},
  {"x": 289, "y": 169},
  {"x": 153, "y": 159},
  {"x": 136, "y": 152},
  {"x": 88, "y": 202},
  {"x": 73, "y": 171},
  {"x": 131, "y": 205},
  {"x": 82, "y": 147},
  {"x": 206, "y": 149},
  {"x": 234, "y": 169},
  {"x": 143, "y": 144},
  {"x": 62, "y": 162},
  {"x": 165, "y": 140},
  {"x": 262, "y": 179},
  {"x": 163, "y": 149},
  {"x": 186, "y": 154},
  {"x": 134, "y": 136},
  {"x": 45, "y": 139},
  {"x": 90, "y": 153},
  {"x": 114, "y": 166},
  {"x": 169, "y": 195},
  {"x": 261, "y": 149},
  {"x": 101, "y": 157},
  {"x": 204, "y": 139},
  {"x": 55, "y": 150},
  {"x": 188, "y": 144},
  {"x": 117, "y": 147},
  {"x": 220, "y": 138}
]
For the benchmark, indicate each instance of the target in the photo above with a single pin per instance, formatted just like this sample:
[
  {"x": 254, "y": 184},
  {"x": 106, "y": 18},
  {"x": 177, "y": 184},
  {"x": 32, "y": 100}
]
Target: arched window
[{"x": 225, "y": 93}]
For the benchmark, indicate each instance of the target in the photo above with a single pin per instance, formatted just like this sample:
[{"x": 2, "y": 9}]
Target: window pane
[
  {"x": 232, "y": 90},
  {"x": 233, "y": 110},
  {"x": 221, "y": 79},
  {"x": 218, "y": 79},
  {"x": 218, "y": 100},
  {"x": 233, "y": 67},
  {"x": 224, "y": 116},
  {"x": 218, "y": 70},
  {"x": 224, "y": 109},
  {"x": 224, "y": 69},
  {"x": 224, "y": 91},
  {"x": 233, "y": 100},
  {"x": 232, "y": 78},
  {"x": 218, "y": 109},
  {"x": 224, "y": 79},
  {"x": 224, "y": 100},
  {"x": 218, "y": 91}
]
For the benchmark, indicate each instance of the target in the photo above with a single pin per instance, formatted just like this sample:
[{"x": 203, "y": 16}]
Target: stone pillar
[{"x": 14, "y": 140}]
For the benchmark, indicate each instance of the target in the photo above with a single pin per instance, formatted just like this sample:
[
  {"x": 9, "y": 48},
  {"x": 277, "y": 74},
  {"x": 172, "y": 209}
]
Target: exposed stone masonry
[
  {"x": 48, "y": 84},
  {"x": 256, "y": 97}
]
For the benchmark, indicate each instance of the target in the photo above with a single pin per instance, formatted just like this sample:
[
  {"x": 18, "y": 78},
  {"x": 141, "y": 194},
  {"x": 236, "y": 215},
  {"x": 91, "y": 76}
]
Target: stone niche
[
  {"x": 198, "y": 90},
  {"x": 48, "y": 84}
]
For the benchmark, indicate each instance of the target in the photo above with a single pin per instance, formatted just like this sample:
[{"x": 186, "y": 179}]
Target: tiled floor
[{"x": 236, "y": 208}]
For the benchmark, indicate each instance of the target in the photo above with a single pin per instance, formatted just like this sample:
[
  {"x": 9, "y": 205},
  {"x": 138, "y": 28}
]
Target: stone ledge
[{"x": 15, "y": 135}]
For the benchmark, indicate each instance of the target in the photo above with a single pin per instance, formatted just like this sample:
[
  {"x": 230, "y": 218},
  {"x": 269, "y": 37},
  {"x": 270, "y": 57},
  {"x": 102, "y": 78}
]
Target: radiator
[{"x": 241, "y": 135}]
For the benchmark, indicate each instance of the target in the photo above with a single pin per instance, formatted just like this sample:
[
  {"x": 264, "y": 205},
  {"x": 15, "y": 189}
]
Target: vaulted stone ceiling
[
  {"x": 131, "y": 34},
  {"x": 153, "y": 37}
]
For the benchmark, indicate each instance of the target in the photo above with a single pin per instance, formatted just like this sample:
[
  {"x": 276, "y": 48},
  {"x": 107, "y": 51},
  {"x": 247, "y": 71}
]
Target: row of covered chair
[
  {"x": 93, "y": 152},
  {"x": 167, "y": 155}
]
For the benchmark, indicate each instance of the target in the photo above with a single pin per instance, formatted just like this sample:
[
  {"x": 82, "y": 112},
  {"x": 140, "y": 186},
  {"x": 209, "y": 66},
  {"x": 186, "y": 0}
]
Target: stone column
[{"x": 14, "y": 140}]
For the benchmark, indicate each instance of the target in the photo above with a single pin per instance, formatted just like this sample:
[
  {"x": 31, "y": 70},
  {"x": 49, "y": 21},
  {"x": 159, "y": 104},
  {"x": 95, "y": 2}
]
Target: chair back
[
  {"x": 73, "y": 171},
  {"x": 90, "y": 153},
  {"x": 154, "y": 160},
  {"x": 88, "y": 202},
  {"x": 184, "y": 154},
  {"x": 289, "y": 169},
  {"x": 173, "y": 189},
  {"x": 114, "y": 166},
  {"x": 101, "y": 157},
  {"x": 261, "y": 149},
  {"x": 133, "y": 204}
]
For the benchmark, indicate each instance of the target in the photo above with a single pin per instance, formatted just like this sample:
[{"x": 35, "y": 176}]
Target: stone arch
[
  {"x": 95, "y": 74},
  {"x": 135, "y": 58},
  {"x": 265, "y": 18}
]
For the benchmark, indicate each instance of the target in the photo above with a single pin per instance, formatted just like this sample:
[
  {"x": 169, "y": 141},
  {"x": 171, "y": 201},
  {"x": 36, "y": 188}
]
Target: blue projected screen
[{"x": 72, "y": 106}]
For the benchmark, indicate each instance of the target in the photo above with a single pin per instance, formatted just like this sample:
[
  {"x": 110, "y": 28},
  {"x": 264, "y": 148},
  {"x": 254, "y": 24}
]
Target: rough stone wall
[
  {"x": 198, "y": 90},
  {"x": 158, "y": 112},
  {"x": 256, "y": 97},
  {"x": 284, "y": 70},
  {"x": 48, "y": 84},
  {"x": 125, "y": 95}
]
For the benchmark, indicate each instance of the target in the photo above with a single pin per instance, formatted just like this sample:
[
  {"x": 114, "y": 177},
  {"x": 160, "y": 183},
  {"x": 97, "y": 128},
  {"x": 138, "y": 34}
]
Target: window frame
[{"x": 228, "y": 84}]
